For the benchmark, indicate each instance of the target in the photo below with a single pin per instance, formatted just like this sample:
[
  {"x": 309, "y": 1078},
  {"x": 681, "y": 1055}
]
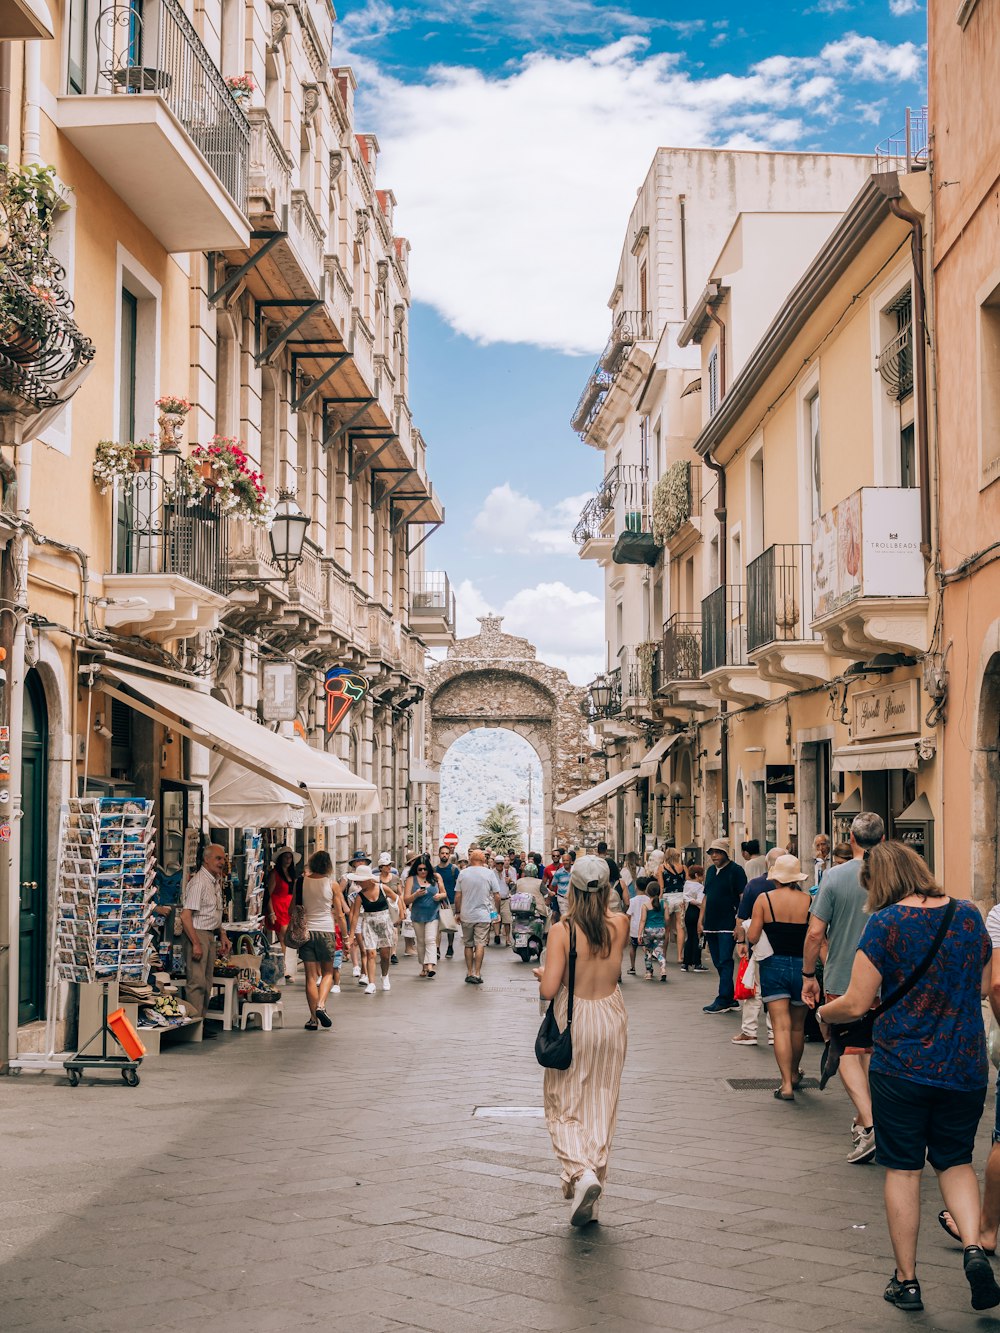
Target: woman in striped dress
[{"x": 581, "y": 1103}]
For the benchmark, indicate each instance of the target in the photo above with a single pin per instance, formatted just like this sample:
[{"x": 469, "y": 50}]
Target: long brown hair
[
  {"x": 891, "y": 871},
  {"x": 589, "y": 911}
]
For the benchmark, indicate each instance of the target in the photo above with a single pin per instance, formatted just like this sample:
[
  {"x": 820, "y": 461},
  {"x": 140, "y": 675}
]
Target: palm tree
[{"x": 500, "y": 829}]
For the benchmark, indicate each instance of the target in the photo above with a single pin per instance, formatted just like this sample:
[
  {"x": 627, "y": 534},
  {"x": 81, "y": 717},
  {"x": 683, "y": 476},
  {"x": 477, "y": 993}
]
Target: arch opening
[{"x": 486, "y": 765}]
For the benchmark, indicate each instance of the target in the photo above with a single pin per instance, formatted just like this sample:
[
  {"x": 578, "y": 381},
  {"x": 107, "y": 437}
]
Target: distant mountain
[{"x": 481, "y": 768}]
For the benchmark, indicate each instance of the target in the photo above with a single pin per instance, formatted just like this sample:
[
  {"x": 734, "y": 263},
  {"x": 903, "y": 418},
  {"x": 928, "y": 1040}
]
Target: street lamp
[
  {"x": 600, "y": 693},
  {"x": 288, "y": 533}
]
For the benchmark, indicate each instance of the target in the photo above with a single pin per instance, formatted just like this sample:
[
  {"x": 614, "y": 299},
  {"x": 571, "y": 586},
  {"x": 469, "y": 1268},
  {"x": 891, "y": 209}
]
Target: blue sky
[{"x": 514, "y": 137}]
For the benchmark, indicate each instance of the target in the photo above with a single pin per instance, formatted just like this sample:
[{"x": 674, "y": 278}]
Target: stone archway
[{"x": 495, "y": 680}]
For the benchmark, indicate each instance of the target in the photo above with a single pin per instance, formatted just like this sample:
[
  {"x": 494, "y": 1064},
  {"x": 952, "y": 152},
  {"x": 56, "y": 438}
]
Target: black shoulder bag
[
  {"x": 554, "y": 1049},
  {"x": 860, "y": 1031}
]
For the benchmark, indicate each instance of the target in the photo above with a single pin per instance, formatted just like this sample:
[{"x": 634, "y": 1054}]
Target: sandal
[
  {"x": 947, "y": 1223},
  {"x": 431, "y": 974},
  {"x": 780, "y": 1096},
  {"x": 312, "y": 1025}
]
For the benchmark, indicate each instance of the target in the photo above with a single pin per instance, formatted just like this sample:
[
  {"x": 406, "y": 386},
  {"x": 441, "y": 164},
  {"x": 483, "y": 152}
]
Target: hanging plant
[
  {"x": 672, "y": 501},
  {"x": 240, "y": 489},
  {"x": 113, "y": 462},
  {"x": 171, "y": 403}
]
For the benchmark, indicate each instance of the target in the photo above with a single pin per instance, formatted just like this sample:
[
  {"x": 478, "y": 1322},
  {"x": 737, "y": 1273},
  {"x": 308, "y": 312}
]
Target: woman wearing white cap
[
  {"x": 371, "y": 909},
  {"x": 581, "y": 1103},
  {"x": 782, "y": 914}
]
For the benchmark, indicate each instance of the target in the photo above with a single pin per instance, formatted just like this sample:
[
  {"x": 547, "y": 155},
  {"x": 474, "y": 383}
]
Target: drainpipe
[
  {"x": 720, "y": 514},
  {"x": 919, "y": 366},
  {"x": 5, "y": 82}
]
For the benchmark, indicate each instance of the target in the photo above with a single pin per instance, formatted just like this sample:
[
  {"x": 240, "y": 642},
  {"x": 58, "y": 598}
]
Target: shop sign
[
  {"x": 891, "y": 710},
  {"x": 779, "y": 778},
  {"x": 344, "y": 688},
  {"x": 280, "y": 702},
  {"x": 868, "y": 546}
]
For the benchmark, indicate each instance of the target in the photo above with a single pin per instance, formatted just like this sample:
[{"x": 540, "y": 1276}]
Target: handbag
[
  {"x": 554, "y": 1048},
  {"x": 446, "y": 915},
  {"x": 298, "y": 932},
  {"x": 860, "y": 1032},
  {"x": 744, "y": 990},
  {"x": 993, "y": 1042}
]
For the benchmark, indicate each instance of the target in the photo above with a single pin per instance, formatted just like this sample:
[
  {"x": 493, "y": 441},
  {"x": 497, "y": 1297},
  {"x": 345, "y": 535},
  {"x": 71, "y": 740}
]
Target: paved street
[{"x": 341, "y": 1180}]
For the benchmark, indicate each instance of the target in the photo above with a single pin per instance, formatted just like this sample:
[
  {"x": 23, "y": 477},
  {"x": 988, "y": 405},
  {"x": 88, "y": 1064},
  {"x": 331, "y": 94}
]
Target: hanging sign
[
  {"x": 779, "y": 778},
  {"x": 279, "y": 701},
  {"x": 344, "y": 688},
  {"x": 893, "y": 710}
]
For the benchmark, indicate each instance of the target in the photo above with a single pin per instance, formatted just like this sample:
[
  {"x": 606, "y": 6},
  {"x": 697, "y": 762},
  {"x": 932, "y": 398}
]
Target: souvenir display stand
[{"x": 253, "y": 876}]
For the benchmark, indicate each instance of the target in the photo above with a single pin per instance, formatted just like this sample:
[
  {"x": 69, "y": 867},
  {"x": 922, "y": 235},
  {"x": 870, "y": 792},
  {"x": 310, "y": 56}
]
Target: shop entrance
[{"x": 34, "y": 855}]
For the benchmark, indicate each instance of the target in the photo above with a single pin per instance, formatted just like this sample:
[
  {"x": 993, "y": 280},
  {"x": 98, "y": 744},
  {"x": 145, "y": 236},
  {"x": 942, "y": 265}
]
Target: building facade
[{"x": 223, "y": 232}]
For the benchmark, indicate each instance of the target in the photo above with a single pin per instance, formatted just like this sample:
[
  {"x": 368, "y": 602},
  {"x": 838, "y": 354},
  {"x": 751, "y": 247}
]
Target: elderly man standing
[
  {"x": 474, "y": 893},
  {"x": 201, "y": 922},
  {"x": 724, "y": 885}
]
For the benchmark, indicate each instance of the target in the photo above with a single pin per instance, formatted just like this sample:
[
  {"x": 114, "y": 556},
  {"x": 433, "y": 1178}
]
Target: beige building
[{"x": 227, "y": 241}]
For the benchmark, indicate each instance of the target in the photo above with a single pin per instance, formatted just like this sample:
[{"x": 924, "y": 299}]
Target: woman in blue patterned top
[{"x": 929, "y": 1070}]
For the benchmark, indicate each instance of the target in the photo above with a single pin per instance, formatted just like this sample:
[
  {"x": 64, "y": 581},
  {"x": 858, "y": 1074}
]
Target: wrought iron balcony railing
[
  {"x": 172, "y": 526},
  {"x": 895, "y": 363},
  {"x": 41, "y": 348},
  {"x": 591, "y": 399},
  {"x": 597, "y": 509},
  {"x": 631, "y": 326},
  {"x": 780, "y": 596},
  {"x": 142, "y": 49},
  {"x": 723, "y": 628},
  {"x": 680, "y": 656}
]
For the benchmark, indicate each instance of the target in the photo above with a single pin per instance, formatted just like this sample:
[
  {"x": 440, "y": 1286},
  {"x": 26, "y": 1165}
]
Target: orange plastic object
[{"x": 126, "y": 1034}]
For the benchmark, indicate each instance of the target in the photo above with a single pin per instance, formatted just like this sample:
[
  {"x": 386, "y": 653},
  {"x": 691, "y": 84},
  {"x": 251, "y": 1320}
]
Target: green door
[{"x": 34, "y": 889}]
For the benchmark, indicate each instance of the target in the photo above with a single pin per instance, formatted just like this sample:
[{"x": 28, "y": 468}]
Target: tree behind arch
[{"x": 500, "y": 829}]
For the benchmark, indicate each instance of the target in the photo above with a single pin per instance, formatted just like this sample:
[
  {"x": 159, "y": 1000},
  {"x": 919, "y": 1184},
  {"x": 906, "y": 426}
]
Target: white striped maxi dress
[{"x": 581, "y": 1103}]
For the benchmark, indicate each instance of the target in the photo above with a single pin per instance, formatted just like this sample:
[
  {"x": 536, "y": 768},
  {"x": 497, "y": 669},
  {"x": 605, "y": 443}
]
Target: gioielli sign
[{"x": 891, "y": 710}]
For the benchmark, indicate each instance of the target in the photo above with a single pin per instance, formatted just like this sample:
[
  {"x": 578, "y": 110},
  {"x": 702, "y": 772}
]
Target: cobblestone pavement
[{"x": 294, "y": 1180}]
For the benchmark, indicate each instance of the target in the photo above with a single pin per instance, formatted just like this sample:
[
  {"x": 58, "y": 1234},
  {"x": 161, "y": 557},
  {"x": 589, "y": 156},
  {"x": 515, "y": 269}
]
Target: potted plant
[
  {"x": 240, "y": 491},
  {"x": 173, "y": 410},
  {"x": 242, "y": 87},
  {"x": 113, "y": 462}
]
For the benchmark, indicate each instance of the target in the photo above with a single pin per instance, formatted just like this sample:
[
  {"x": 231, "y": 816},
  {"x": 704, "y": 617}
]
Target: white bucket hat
[{"x": 787, "y": 870}]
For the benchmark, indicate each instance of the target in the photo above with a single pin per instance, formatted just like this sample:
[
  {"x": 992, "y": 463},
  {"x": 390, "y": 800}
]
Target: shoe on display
[
  {"x": 385, "y": 984},
  {"x": 864, "y": 1147},
  {"x": 588, "y": 1192},
  {"x": 370, "y": 988}
]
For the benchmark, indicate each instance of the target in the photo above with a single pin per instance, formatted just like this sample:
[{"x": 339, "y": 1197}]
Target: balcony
[
  {"x": 42, "y": 352},
  {"x": 154, "y": 117},
  {"x": 724, "y": 663},
  {"x": 589, "y": 533},
  {"x": 781, "y": 642},
  {"x": 589, "y": 403},
  {"x": 680, "y": 662},
  {"x": 620, "y": 370},
  {"x": 171, "y": 560},
  {"x": 868, "y": 575},
  {"x": 895, "y": 364},
  {"x": 634, "y": 540},
  {"x": 432, "y": 609},
  {"x": 677, "y": 507}
]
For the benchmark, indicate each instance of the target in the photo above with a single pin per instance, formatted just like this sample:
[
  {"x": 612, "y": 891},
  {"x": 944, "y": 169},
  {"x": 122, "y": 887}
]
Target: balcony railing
[
  {"x": 270, "y": 165},
  {"x": 589, "y": 403},
  {"x": 432, "y": 595},
  {"x": 155, "y": 49},
  {"x": 41, "y": 348},
  {"x": 680, "y": 657},
  {"x": 597, "y": 509},
  {"x": 723, "y": 628},
  {"x": 630, "y": 327},
  {"x": 909, "y": 148},
  {"x": 780, "y": 596},
  {"x": 895, "y": 364},
  {"x": 174, "y": 526}
]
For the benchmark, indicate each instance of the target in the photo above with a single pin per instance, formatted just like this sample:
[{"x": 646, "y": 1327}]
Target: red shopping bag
[{"x": 740, "y": 991}]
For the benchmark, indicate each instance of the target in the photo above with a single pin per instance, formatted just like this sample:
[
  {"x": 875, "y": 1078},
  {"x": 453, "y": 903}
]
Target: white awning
[
  {"x": 238, "y": 798},
  {"x": 650, "y": 761},
  {"x": 327, "y": 785},
  {"x": 421, "y": 772},
  {"x": 599, "y": 793},
  {"x": 876, "y": 756}
]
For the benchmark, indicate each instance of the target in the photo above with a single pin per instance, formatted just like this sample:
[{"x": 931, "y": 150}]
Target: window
[
  {"x": 269, "y": 429},
  {"x": 756, "y": 507},
  {"x": 907, "y": 457},
  {"x": 989, "y": 386},
  {"x": 713, "y": 383},
  {"x": 227, "y": 378},
  {"x": 619, "y": 626},
  {"x": 127, "y": 366},
  {"x": 815, "y": 460},
  {"x": 643, "y": 288},
  {"x": 79, "y": 35}
]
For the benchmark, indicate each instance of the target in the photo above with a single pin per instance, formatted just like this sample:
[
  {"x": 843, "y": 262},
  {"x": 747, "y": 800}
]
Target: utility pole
[{"x": 530, "y": 778}]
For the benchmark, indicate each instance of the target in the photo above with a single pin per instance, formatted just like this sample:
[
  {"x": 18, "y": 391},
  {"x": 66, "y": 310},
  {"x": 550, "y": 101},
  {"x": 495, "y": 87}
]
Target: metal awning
[
  {"x": 599, "y": 793},
  {"x": 326, "y": 785},
  {"x": 650, "y": 761},
  {"x": 876, "y": 757}
]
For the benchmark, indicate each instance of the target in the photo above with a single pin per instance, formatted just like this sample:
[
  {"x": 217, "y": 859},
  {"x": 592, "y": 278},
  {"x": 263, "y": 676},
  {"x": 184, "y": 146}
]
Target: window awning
[
  {"x": 327, "y": 786},
  {"x": 650, "y": 761},
  {"x": 599, "y": 793},
  {"x": 876, "y": 756}
]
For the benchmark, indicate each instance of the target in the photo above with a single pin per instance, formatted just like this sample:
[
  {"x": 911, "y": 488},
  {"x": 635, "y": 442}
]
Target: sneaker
[
  {"x": 370, "y": 988},
  {"x": 732, "y": 1006},
  {"x": 588, "y": 1191},
  {"x": 470, "y": 980},
  {"x": 477, "y": 981},
  {"x": 979, "y": 1275},
  {"x": 904, "y": 1295},
  {"x": 334, "y": 990},
  {"x": 357, "y": 971},
  {"x": 450, "y": 953},
  {"x": 684, "y": 967},
  {"x": 496, "y": 939},
  {"x": 385, "y": 984},
  {"x": 743, "y": 1039},
  {"x": 716, "y": 1007},
  {"x": 393, "y": 959},
  {"x": 324, "y": 1018},
  {"x": 698, "y": 968},
  {"x": 864, "y": 1147},
  {"x": 362, "y": 979}
]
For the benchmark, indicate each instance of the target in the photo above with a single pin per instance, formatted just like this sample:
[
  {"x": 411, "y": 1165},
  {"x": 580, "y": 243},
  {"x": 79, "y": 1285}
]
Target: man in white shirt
[
  {"x": 201, "y": 922},
  {"x": 475, "y": 891}
]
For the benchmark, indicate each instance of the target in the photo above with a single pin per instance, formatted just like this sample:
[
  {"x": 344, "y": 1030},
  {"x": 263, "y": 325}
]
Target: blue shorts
[{"x": 780, "y": 978}]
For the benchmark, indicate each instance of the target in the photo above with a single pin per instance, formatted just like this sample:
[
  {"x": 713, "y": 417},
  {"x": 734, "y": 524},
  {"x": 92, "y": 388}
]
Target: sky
[{"x": 514, "y": 137}]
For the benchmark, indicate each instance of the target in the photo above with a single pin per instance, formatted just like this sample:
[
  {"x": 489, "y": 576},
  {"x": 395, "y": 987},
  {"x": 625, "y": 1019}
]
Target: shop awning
[
  {"x": 876, "y": 757},
  {"x": 599, "y": 793},
  {"x": 650, "y": 761},
  {"x": 328, "y": 787},
  {"x": 238, "y": 798},
  {"x": 420, "y": 772}
]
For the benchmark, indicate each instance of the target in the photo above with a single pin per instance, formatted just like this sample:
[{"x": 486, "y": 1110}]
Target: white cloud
[
  {"x": 511, "y": 523},
  {"x": 566, "y": 626},
  {"x": 515, "y": 187},
  {"x": 900, "y": 8},
  {"x": 516, "y": 19}
]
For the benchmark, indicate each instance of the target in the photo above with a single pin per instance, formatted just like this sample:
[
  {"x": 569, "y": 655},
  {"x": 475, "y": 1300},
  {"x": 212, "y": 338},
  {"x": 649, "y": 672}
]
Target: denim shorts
[{"x": 780, "y": 978}]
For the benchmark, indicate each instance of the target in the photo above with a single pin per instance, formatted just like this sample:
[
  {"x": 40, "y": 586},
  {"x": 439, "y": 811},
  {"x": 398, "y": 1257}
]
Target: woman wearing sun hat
[{"x": 781, "y": 915}]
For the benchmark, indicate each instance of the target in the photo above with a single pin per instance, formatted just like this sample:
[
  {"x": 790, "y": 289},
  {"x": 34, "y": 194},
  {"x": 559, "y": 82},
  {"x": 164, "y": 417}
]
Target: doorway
[{"x": 34, "y": 852}]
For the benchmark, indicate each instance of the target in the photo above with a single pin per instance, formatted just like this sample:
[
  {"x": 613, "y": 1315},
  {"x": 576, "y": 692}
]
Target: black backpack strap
[
  {"x": 890, "y": 1000},
  {"x": 572, "y": 973}
]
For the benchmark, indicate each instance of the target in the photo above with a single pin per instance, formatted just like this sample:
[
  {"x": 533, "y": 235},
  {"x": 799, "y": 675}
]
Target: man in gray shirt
[
  {"x": 839, "y": 916},
  {"x": 474, "y": 894}
]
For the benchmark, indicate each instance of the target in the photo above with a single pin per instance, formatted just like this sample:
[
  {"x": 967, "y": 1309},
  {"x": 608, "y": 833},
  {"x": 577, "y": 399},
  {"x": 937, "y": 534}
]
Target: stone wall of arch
[{"x": 495, "y": 680}]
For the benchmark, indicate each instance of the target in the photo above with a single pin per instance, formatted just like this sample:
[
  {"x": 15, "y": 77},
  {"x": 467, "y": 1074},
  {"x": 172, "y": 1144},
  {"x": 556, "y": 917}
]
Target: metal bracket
[
  {"x": 429, "y": 533},
  {"x": 400, "y": 481},
  {"x": 306, "y": 307},
  {"x": 270, "y": 239},
  {"x": 370, "y": 458},
  {"x": 330, "y": 440},
  {"x": 300, "y": 400}
]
